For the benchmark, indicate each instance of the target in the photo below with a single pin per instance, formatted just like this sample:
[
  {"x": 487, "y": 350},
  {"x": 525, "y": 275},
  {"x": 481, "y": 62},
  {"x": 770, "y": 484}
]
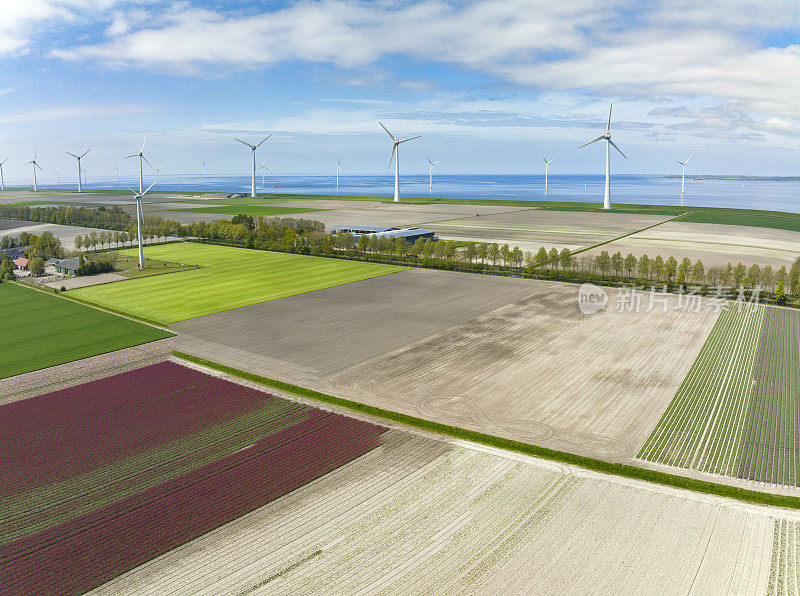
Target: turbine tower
[
  {"x": 396, "y": 149},
  {"x": 79, "y": 158},
  {"x": 117, "y": 166},
  {"x": 338, "y": 171},
  {"x": 430, "y": 174},
  {"x": 607, "y": 138},
  {"x": 263, "y": 167},
  {"x": 58, "y": 177},
  {"x": 137, "y": 196},
  {"x": 35, "y": 165},
  {"x": 158, "y": 169},
  {"x": 253, "y": 149},
  {"x": 204, "y": 172},
  {"x": 683, "y": 172},
  {"x": 2, "y": 179},
  {"x": 142, "y": 158},
  {"x": 546, "y": 171}
]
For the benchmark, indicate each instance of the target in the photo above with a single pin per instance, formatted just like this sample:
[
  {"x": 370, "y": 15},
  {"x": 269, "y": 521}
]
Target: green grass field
[
  {"x": 254, "y": 210},
  {"x": 227, "y": 278},
  {"x": 38, "y": 330}
]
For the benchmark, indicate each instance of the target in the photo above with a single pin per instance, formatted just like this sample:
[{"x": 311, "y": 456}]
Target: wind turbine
[
  {"x": 264, "y": 168},
  {"x": 137, "y": 196},
  {"x": 546, "y": 171},
  {"x": 607, "y": 138},
  {"x": 430, "y": 174},
  {"x": 2, "y": 179},
  {"x": 58, "y": 177},
  {"x": 84, "y": 176},
  {"x": 253, "y": 148},
  {"x": 204, "y": 172},
  {"x": 142, "y": 158},
  {"x": 683, "y": 173},
  {"x": 35, "y": 165},
  {"x": 338, "y": 171},
  {"x": 117, "y": 166},
  {"x": 79, "y": 158},
  {"x": 396, "y": 149},
  {"x": 158, "y": 169}
]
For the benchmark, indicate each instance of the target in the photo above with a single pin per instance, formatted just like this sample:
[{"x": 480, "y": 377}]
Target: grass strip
[
  {"x": 589, "y": 463},
  {"x": 625, "y": 235}
]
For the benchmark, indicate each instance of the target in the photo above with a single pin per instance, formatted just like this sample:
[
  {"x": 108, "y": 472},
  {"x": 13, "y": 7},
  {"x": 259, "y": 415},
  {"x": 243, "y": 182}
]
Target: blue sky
[{"x": 490, "y": 86}]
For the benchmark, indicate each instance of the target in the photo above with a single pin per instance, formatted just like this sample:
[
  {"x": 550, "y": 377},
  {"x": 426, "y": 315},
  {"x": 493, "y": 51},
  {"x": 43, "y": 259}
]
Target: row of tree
[{"x": 44, "y": 245}]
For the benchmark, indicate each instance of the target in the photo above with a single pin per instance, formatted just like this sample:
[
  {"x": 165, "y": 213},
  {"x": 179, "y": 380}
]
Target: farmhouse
[
  {"x": 13, "y": 253},
  {"x": 410, "y": 235},
  {"x": 66, "y": 266},
  {"x": 21, "y": 263}
]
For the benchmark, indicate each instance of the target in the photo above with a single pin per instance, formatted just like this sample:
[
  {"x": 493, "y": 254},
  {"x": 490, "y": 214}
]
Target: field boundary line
[
  {"x": 615, "y": 469},
  {"x": 119, "y": 313},
  {"x": 580, "y": 250}
]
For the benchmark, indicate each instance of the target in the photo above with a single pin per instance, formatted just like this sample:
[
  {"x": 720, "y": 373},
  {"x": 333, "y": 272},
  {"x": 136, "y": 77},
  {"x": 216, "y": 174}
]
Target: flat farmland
[
  {"x": 737, "y": 412},
  {"x": 420, "y": 516},
  {"x": 318, "y": 334},
  {"x": 534, "y": 227},
  {"x": 714, "y": 244},
  {"x": 226, "y": 278},
  {"x": 66, "y": 234},
  {"x": 513, "y": 358},
  {"x": 105, "y": 472},
  {"x": 370, "y": 213},
  {"x": 38, "y": 330},
  {"x": 254, "y": 210}
]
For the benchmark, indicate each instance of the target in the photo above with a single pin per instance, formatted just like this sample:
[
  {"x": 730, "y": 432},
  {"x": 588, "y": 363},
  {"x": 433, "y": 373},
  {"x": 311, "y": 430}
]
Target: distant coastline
[{"x": 739, "y": 178}]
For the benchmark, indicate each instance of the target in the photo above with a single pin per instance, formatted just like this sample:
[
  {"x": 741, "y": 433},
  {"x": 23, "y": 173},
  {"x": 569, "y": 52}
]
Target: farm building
[
  {"x": 410, "y": 235},
  {"x": 13, "y": 253},
  {"x": 21, "y": 263},
  {"x": 66, "y": 266}
]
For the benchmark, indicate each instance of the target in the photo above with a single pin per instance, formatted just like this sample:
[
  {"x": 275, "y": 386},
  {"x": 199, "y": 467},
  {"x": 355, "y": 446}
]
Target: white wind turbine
[
  {"x": 137, "y": 196},
  {"x": 204, "y": 172},
  {"x": 158, "y": 169},
  {"x": 2, "y": 178},
  {"x": 396, "y": 149},
  {"x": 430, "y": 174},
  {"x": 253, "y": 149},
  {"x": 338, "y": 172},
  {"x": 35, "y": 165},
  {"x": 117, "y": 166},
  {"x": 263, "y": 167},
  {"x": 79, "y": 158},
  {"x": 683, "y": 172},
  {"x": 142, "y": 158},
  {"x": 546, "y": 171},
  {"x": 607, "y": 138},
  {"x": 58, "y": 177}
]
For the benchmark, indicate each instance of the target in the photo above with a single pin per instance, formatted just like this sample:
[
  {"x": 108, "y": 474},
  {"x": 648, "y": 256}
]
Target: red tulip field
[{"x": 99, "y": 478}]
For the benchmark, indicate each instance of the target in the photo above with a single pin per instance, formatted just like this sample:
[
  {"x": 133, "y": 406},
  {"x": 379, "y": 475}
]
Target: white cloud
[{"x": 62, "y": 113}]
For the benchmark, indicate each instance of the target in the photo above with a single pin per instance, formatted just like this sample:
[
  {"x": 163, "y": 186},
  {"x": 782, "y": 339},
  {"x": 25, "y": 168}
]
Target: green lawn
[
  {"x": 254, "y": 210},
  {"x": 38, "y": 330},
  {"x": 227, "y": 278}
]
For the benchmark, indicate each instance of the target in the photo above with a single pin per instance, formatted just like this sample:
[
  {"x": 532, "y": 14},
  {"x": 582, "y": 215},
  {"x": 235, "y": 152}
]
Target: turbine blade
[
  {"x": 387, "y": 131},
  {"x": 85, "y": 152},
  {"x": 392, "y": 156},
  {"x": 409, "y": 139},
  {"x": 429, "y": 160},
  {"x": 265, "y": 138},
  {"x": 243, "y": 143},
  {"x": 72, "y": 154},
  {"x": 130, "y": 189},
  {"x": 590, "y": 142},
  {"x": 545, "y": 159},
  {"x": 434, "y": 163},
  {"x": 148, "y": 189},
  {"x": 129, "y": 156},
  {"x": 608, "y": 126},
  {"x": 4, "y": 161},
  {"x": 35, "y": 154},
  {"x": 618, "y": 149},
  {"x": 680, "y": 162},
  {"x": 143, "y": 142},
  {"x": 690, "y": 157},
  {"x": 147, "y": 162},
  {"x": 36, "y": 165}
]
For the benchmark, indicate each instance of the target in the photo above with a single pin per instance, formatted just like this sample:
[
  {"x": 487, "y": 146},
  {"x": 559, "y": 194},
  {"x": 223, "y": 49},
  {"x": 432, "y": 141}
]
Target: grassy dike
[{"x": 623, "y": 470}]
